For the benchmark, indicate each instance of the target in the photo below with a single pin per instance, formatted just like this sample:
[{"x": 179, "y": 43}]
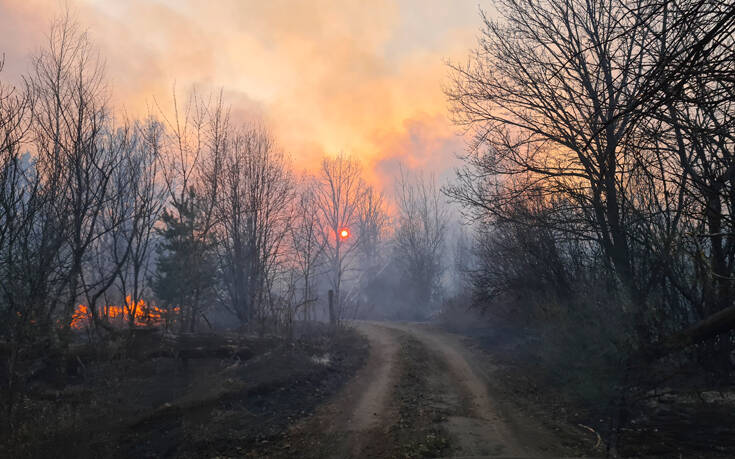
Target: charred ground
[{"x": 145, "y": 400}]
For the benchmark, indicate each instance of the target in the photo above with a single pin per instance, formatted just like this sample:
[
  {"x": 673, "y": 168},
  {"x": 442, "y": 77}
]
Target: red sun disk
[{"x": 344, "y": 233}]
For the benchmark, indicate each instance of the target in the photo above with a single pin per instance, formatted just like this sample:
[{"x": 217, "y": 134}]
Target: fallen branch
[
  {"x": 719, "y": 322},
  {"x": 599, "y": 438}
]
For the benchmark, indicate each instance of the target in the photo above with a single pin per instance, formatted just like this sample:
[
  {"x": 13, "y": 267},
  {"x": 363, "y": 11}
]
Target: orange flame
[{"x": 144, "y": 314}]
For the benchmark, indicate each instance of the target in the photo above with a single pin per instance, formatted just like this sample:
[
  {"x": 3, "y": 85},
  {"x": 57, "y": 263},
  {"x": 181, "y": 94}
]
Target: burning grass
[{"x": 142, "y": 314}]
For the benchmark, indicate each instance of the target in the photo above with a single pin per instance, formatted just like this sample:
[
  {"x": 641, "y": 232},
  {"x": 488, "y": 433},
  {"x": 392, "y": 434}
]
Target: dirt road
[{"x": 421, "y": 394}]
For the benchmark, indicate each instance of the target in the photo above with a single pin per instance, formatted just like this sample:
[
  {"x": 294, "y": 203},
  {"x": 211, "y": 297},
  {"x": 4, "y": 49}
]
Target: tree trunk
[{"x": 332, "y": 316}]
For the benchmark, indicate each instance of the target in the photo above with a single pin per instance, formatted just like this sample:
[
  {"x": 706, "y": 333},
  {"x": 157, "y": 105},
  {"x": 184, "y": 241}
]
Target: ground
[
  {"x": 423, "y": 393},
  {"x": 684, "y": 416},
  {"x": 374, "y": 389}
]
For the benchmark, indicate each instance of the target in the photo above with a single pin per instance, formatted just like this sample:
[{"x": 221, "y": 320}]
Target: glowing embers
[{"x": 144, "y": 314}]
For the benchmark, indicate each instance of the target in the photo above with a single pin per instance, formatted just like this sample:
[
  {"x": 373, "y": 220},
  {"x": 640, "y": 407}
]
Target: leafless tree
[
  {"x": 374, "y": 235},
  {"x": 372, "y": 227},
  {"x": 420, "y": 236},
  {"x": 147, "y": 198},
  {"x": 109, "y": 250},
  {"x": 550, "y": 95},
  {"x": 70, "y": 120},
  {"x": 15, "y": 106},
  {"x": 252, "y": 212},
  {"x": 307, "y": 243},
  {"x": 339, "y": 196},
  {"x": 122, "y": 253},
  {"x": 697, "y": 114},
  {"x": 20, "y": 202}
]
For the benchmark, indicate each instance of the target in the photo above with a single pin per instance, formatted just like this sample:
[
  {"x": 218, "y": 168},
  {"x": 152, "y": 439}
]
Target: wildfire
[{"x": 144, "y": 314}]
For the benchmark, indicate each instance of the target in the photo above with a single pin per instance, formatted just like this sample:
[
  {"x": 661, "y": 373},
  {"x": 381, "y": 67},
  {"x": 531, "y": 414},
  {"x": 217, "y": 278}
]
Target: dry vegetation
[{"x": 184, "y": 398}]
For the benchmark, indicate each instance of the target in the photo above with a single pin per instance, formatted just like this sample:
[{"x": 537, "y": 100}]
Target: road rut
[{"x": 363, "y": 418}]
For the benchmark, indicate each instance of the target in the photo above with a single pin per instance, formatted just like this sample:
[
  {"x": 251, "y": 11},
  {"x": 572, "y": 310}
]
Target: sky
[{"x": 360, "y": 77}]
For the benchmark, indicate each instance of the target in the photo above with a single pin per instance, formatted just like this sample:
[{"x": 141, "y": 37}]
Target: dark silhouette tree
[{"x": 186, "y": 267}]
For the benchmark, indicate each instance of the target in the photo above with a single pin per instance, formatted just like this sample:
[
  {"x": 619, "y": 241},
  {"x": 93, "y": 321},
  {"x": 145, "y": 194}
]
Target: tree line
[{"x": 181, "y": 218}]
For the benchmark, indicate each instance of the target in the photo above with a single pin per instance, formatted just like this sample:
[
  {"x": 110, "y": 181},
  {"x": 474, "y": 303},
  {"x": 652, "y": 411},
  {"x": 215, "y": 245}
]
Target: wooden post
[{"x": 332, "y": 317}]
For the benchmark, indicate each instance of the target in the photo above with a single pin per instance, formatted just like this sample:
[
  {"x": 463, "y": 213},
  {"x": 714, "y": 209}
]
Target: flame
[{"x": 144, "y": 314}]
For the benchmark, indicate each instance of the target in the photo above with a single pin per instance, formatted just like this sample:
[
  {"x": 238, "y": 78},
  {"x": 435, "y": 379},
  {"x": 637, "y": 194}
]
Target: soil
[{"x": 422, "y": 393}]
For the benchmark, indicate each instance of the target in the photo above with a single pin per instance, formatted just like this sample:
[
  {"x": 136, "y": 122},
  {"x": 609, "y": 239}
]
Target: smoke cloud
[{"x": 363, "y": 78}]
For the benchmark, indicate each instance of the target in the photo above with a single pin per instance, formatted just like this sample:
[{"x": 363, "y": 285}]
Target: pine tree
[{"x": 186, "y": 268}]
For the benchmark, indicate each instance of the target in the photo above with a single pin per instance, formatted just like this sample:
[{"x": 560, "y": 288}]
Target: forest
[
  {"x": 586, "y": 244},
  {"x": 602, "y": 177}
]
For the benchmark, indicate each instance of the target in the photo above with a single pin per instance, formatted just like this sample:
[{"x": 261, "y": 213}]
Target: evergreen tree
[{"x": 186, "y": 266}]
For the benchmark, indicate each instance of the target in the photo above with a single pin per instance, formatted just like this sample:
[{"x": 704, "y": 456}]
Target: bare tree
[
  {"x": 69, "y": 122},
  {"x": 253, "y": 218},
  {"x": 307, "y": 243},
  {"x": 147, "y": 200},
  {"x": 698, "y": 117},
  {"x": 20, "y": 203},
  {"x": 372, "y": 226},
  {"x": 373, "y": 230},
  {"x": 609, "y": 124},
  {"x": 550, "y": 95},
  {"x": 122, "y": 252},
  {"x": 420, "y": 236},
  {"x": 339, "y": 196},
  {"x": 109, "y": 250},
  {"x": 15, "y": 107}
]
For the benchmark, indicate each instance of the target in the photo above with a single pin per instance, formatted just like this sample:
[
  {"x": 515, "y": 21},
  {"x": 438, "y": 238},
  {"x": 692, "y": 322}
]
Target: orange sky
[{"x": 354, "y": 76}]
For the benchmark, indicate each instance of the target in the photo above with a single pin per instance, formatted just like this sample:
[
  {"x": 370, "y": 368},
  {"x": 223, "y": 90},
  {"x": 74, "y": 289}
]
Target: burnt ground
[
  {"x": 684, "y": 416},
  {"x": 164, "y": 406},
  {"x": 382, "y": 390},
  {"x": 521, "y": 388}
]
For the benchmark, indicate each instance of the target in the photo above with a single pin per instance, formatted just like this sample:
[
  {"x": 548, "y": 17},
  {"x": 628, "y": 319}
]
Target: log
[{"x": 719, "y": 322}]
